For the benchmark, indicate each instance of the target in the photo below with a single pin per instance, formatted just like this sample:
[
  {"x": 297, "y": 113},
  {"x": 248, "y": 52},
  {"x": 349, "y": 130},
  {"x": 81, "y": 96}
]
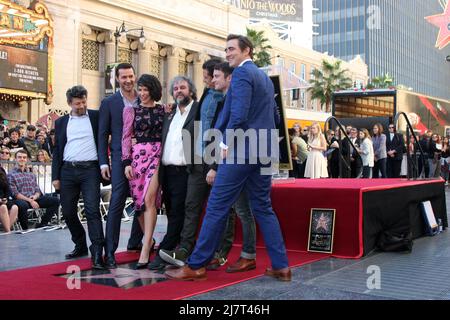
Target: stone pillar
[
  {"x": 174, "y": 55},
  {"x": 198, "y": 59},
  {"x": 143, "y": 57},
  {"x": 110, "y": 47}
]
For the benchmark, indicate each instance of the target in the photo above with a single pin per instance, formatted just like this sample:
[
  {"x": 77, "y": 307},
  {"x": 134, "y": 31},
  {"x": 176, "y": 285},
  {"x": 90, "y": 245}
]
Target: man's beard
[
  {"x": 80, "y": 113},
  {"x": 184, "y": 102}
]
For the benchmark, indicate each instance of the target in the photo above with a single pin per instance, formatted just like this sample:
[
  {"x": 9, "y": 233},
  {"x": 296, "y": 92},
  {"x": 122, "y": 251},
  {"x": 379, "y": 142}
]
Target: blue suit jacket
[
  {"x": 250, "y": 104},
  {"x": 110, "y": 123}
]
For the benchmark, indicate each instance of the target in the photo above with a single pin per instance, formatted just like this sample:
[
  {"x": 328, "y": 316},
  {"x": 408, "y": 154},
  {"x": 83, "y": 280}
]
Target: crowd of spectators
[
  {"x": 370, "y": 154},
  {"x": 25, "y": 174}
]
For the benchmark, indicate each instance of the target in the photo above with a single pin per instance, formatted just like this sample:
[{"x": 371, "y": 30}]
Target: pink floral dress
[{"x": 145, "y": 125}]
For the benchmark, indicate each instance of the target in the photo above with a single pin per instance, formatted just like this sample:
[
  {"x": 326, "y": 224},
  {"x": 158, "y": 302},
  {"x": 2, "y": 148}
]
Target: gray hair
[{"x": 192, "y": 88}]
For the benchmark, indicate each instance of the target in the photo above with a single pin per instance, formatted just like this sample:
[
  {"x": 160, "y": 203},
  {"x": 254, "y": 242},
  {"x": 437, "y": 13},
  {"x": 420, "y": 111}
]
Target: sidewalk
[{"x": 423, "y": 274}]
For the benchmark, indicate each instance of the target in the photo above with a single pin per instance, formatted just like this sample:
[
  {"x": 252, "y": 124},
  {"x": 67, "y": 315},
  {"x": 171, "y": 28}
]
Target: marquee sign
[
  {"x": 19, "y": 25},
  {"x": 276, "y": 10},
  {"x": 26, "y": 51},
  {"x": 442, "y": 21}
]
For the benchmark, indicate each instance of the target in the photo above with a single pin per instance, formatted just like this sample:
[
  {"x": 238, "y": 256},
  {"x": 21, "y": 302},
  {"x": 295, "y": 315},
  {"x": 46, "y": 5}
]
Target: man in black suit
[
  {"x": 198, "y": 188},
  {"x": 178, "y": 141},
  {"x": 75, "y": 168},
  {"x": 111, "y": 124},
  {"x": 395, "y": 147}
]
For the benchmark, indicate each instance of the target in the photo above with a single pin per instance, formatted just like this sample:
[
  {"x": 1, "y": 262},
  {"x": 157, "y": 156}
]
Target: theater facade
[
  {"x": 26, "y": 59},
  {"x": 65, "y": 43}
]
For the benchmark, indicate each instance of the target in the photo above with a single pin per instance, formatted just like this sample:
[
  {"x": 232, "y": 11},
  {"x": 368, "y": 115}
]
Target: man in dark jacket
[{"x": 395, "y": 147}]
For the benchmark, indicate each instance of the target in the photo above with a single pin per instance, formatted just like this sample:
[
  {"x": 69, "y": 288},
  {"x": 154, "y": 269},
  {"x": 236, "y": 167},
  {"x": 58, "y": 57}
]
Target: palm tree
[
  {"x": 381, "y": 82},
  {"x": 327, "y": 80},
  {"x": 261, "y": 57}
]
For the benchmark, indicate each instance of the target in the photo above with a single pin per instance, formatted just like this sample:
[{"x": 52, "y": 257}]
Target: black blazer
[
  {"x": 111, "y": 123},
  {"x": 61, "y": 140},
  {"x": 397, "y": 144},
  {"x": 189, "y": 126}
]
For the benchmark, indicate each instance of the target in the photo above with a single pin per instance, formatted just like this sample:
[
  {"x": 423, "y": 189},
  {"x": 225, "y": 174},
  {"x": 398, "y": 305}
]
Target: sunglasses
[
  {"x": 4, "y": 152},
  {"x": 391, "y": 127}
]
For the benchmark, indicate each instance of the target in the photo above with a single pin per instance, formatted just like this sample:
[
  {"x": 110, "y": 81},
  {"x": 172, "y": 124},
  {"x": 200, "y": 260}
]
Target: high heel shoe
[{"x": 143, "y": 265}]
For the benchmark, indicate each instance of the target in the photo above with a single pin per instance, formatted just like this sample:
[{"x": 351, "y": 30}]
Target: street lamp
[{"x": 123, "y": 30}]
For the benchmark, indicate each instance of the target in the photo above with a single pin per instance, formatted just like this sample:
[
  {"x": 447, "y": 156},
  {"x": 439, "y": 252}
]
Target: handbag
[{"x": 395, "y": 242}]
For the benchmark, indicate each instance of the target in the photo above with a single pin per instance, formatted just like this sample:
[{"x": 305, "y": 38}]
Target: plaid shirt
[{"x": 23, "y": 182}]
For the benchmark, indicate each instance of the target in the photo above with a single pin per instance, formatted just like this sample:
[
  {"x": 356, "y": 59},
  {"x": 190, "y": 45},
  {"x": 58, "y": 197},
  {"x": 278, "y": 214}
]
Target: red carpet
[
  {"x": 40, "y": 283},
  {"x": 293, "y": 202}
]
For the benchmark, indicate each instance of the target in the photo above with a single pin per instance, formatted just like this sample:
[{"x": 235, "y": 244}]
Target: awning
[{"x": 19, "y": 95}]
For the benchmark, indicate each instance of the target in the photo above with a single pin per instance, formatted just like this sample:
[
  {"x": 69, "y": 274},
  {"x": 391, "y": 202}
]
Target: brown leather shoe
[
  {"x": 215, "y": 264},
  {"x": 280, "y": 274},
  {"x": 186, "y": 274},
  {"x": 242, "y": 265}
]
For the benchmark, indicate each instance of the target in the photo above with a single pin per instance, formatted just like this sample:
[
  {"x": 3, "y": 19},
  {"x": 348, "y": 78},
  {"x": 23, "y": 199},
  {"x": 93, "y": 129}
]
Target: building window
[
  {"x": 302, "y": 100},
  {"x": 292, "y": 67},
  {"x": 155, "y": 66},
  {"x": 303, "y": 72},
  {"x": 90, "y": 55},
  {"x": 125, "y": 55},
  {"x": 183, "y": 68}
]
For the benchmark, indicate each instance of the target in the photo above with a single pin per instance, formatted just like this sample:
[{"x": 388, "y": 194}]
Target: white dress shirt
[
  {"x": 80, "y": 144},
  {"x": 173, "y": 153}
]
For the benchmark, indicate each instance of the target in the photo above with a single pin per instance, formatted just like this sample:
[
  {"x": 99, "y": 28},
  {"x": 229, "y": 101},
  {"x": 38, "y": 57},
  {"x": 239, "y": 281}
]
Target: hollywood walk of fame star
[
  {"x": 123, "y": 277},
  {"x": 322, "y": 223},
  {"x": 442, "y": 21}
]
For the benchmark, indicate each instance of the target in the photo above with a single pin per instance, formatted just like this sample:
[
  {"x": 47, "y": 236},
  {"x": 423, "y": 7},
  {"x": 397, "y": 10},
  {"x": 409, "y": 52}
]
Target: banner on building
[
  {"x": 275, "y": 10},
  {"x": 23, "y": 69},
  {"x": 111, "y": 84}
]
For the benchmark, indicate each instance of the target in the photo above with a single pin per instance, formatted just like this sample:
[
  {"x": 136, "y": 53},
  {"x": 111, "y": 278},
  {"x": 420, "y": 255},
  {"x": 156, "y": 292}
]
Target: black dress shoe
[
  {"x": 77, "y": 252},
  {"x": 97, "y": 262},
  {"x": 110, "y": 262},
  {"x": 157, "y": 264}
]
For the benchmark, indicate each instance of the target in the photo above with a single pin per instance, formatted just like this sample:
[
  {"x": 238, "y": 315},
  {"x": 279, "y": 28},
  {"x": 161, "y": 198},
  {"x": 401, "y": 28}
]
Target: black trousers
[
  {"x": 393, "y": 167},
  {"x": 196, "y": 197},
  {"x": 84, "y": 179},
  {"x": 45, "y": 202},
  {"x": 174, "y": 187}
]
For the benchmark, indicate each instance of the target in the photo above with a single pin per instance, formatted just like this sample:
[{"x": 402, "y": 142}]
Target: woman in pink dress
[{"x": 141, "y": 160}]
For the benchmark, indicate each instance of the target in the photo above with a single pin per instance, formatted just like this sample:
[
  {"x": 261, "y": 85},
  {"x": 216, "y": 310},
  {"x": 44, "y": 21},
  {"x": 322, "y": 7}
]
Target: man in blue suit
[
  {"x": 250, "y": 106},
  {"x": 111, "y": 123}
]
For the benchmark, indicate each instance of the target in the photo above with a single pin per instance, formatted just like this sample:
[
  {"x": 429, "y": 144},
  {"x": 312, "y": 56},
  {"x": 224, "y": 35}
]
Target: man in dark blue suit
[
  {"x": 250, "y": 107},
  {"x": 111, "y": 123},
  {"x": 74, "y": 169}
]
